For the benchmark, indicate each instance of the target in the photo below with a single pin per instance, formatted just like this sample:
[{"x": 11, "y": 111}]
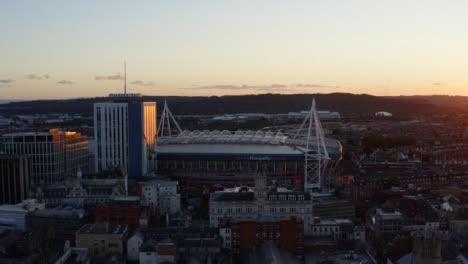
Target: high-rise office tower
[
  {"x": 52, "y": 153},
  {"x": 125, "y": 133},
  {"x": 14, "y": 178}
]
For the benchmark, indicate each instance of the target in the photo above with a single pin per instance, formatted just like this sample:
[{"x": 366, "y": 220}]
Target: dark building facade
[
  {"x": 61, "y": 224},
  {"x": 15, "y": 173},
  {"x": 120, "y": 210},
  {"x": 287, "y": 234}
]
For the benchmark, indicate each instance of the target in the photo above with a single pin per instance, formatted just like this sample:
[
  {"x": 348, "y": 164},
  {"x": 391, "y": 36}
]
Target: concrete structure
[
  {"x": 243, "y": 204},
  {"x": 201, "y": 158},
  {"x": 162, "y": 195},
  {"x": 15, "y": 174},
  {"x": 384, "y": 222},
  {"x": 13, "y": 216},
  {"x": 125, "y": 133},
  {"x": 102, "y": 239},
  {"x": 52, "y": 153},
  {"x": 337, "y": 229},
  {"x": 73, "y": 255}
]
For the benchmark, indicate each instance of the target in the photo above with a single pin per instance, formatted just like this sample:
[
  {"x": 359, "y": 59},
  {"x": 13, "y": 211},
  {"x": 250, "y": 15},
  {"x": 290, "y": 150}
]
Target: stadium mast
[
  {"x": 165, "y": 123},
  {"x": 315, "y": 155}
]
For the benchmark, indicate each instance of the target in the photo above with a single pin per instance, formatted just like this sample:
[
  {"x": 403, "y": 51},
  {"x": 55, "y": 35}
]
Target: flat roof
[
  {"x": 102, "y": 228},
  {"x": 61, "y": 213},
  {"x": 388, "y": 215},
  {"x": 232, "y": 196},
  {"x": 28, "y": 205}
]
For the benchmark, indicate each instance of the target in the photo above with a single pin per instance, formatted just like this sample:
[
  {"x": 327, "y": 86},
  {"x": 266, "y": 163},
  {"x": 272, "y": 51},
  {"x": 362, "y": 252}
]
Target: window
[
  {"x": 273, "y": 210},
  {"x": 282, "y": 197},
  {"x": 301, "y": 198},
  {"x": 282, "y": 210},
  {"x": 220, "y": 211}
]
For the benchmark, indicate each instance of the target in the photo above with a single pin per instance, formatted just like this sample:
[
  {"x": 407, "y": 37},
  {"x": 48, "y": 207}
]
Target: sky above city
[{"x": 69, "y": 49}]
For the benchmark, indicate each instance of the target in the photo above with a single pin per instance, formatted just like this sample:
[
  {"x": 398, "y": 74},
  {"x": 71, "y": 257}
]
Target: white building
[
  {"x": 125, "y": 133},
  {"x": 384, "y": 114},
  {"x": 226, "y": 237},
  {"x": 383, "y": 222},
  {"x": 243, "y": 204},
  {"x": 148, "y": 254},
  {"x": 161, "y": 194},
  {"x": 133, "y": 246},
  {"x": 13, "y": 216}
]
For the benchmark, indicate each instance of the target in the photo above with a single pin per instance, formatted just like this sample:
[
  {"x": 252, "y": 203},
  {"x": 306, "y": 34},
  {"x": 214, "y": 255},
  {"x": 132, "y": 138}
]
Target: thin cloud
[
  {"x": 240, "y": 87},
  {"x": 109, "y": 77},
  {"x": 65, "y": 82},
  {"x": 308, "y": 85},
  {"x": 142, "y": 83},
  {"x": 7, "y": 81},
  {"x": 38, "y": 77},
  {"x": 438, "y": 83},
  {"x": 266, "y": 88}
]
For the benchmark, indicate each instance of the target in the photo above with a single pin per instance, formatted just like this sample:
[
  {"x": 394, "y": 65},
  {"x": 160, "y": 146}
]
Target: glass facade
[{"x": 47, "y": 152}]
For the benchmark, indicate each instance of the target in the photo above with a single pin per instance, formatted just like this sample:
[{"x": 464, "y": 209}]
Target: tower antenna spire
[{"x": 125, "y": 77}]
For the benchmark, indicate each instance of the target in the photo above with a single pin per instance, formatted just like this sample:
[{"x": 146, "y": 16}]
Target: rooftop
[
  {"x": 242, "y": 137},
  {"x": 102, "y": 229},
  {"x": 160, "y": 183},
  {"x": 61, "y": 213},
  {"x": 232, "y": 196},
  {"x": 388, "y": 215},
  {"x": 228, "y": 149},
  {"x": 26, "y": 206}
]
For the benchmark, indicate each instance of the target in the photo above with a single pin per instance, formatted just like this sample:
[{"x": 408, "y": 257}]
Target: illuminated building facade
[
  {"x": 125, "y": 133},
  {"x": 52, "y": 153}
]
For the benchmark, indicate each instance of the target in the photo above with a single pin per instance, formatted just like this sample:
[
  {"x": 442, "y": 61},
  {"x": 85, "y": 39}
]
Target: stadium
[{"x": 228, "y": 158}]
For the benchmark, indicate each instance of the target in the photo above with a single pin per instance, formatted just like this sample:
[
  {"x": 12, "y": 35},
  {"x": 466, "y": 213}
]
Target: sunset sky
[{"x": 68, "y": 49}]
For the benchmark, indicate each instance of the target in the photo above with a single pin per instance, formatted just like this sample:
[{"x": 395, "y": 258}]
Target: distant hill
[
  {"x": 346, "y": 104},
  {"x": 454, "y": 101}
]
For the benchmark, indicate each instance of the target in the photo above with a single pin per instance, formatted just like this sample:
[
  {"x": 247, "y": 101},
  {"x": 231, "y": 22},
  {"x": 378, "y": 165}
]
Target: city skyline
[{"x": 53, "y": 49}]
